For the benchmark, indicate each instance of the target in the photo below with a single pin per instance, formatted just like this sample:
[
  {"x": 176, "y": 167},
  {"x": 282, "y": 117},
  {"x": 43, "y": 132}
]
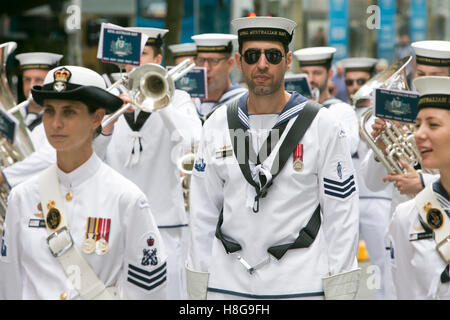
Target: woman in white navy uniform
[
  {"x": 79, "y": 230},
  {"x": 145, "y": 147},
  {"x": 432, "y": 59},
  {"x": 236, "y": 219},
  {"x": 419, "y": 230}
]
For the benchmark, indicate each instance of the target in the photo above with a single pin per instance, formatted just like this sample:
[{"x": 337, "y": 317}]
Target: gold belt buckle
[{"x": 445, "y": 241}]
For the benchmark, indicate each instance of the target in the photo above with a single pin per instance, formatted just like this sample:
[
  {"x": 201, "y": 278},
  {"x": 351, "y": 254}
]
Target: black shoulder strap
[{"x": 295, "y": 134}]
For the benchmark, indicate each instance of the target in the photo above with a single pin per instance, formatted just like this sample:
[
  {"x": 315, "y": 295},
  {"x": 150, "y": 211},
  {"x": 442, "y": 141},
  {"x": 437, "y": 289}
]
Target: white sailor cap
[
  {"x": 315, "y": 56},
  {"x": 155, "y": 35},
  {"x": 214, "y": 42},
  {"x": 434, "y": 92},
  {"x": 264, "y": 28},
  {"x": 183, "y": 50},
  {"x": 433, "y": 53},
  {"x": 38, "y": 60},
  {"x": 76, "y": 83},
  {"x": 359, "y": 64}
]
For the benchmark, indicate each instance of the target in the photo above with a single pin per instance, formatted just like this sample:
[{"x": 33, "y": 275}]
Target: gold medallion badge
[{"x": 53, "y": 218}]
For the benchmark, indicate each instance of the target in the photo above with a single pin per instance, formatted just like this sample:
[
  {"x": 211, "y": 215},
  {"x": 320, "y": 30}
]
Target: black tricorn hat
[{"x": 79, "y": 84}]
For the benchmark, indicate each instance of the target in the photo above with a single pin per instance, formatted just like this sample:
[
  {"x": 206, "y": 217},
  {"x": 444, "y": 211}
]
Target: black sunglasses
[
  {"x": 274, "y": 56},
  {"x": 359, "y": 81}
]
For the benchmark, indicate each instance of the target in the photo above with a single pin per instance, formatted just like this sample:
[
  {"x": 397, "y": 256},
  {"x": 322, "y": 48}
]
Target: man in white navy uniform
[
  {"x": 316, "y": 63},
  {"x": 145, "y": 147},
  {"x": 419, "y": 229},
  {"x": 373, "y": 206},
  {"x": 183, "y": 51},
  {"x": 214, "y": 51},
  {"x": 79, "y": 230},
  {"x": 263, "y": 228},
  {"x": 34, "y": 67}
]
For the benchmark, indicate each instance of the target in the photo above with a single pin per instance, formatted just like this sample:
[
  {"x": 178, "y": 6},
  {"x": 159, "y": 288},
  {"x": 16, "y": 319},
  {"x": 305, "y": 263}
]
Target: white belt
[
  {"x": 435, "y": 217},
  {"x": 60, "y": 242}
]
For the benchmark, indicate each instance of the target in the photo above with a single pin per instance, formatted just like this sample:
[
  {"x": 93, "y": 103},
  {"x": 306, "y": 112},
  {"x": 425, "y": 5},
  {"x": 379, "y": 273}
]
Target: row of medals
[{"x": 100, "y": 247}]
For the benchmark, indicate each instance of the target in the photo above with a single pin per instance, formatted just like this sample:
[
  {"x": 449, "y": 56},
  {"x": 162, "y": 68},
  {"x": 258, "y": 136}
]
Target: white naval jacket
[
  {"x": 29, "y": 271},
  {"x": 373, "y": 171},
  {"x": 344, "y": 113},
  {"x": 164, "y": 137},
  {"x": 43, "y": 156},
  {"x": 414, "y": 262},
  {"x": 217, "y": 183}
]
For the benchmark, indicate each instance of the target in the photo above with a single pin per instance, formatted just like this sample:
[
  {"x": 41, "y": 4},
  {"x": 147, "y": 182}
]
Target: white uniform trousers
[{"x": 176, "y": 240}]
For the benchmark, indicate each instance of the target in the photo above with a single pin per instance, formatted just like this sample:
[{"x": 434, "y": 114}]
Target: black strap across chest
[
  {"x": 295, "y": 134},
  {"x": 308, "y": 233}
]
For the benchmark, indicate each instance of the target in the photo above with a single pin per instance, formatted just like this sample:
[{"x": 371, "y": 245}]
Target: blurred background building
[{"x": 371, "y": 28}]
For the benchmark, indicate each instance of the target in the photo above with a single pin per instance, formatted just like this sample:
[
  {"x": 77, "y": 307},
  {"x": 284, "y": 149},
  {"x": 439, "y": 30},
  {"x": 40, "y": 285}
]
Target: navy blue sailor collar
[
  {"x": 292, "y": 108},
  {"x": 438, "y": 188},
  {"x": 231, "y": 92}
]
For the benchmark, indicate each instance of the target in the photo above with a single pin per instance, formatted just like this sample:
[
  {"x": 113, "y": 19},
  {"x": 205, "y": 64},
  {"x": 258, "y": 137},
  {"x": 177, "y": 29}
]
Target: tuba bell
[
  {"x": 399, "y": 141},
  {"x": 22, "y": 147}
]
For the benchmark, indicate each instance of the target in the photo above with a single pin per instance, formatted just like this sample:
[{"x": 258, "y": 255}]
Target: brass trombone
[{"x": 150, "y": 86}]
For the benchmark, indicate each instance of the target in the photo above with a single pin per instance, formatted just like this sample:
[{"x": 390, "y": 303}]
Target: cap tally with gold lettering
[
  {"x": 183, "y": 50},
  {"x": 434, "y": 92},
  {"x": 155, "y": 35},
  {"x": 38, "y": 60},
  {"x": 78, "y": 84},
  {"x": 315, "y": 56},
  {"x": 264, "y": 28},
  {"x": 432, "y": 53},
  {"x": 359, "y": 64},
  {"x": 214, "y": 42}
]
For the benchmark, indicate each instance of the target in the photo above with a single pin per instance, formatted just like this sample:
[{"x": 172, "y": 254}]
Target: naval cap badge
[{"x": 61, "y": 78}]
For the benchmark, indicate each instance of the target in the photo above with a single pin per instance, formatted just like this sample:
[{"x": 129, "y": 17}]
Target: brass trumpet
[
  {"x": 150, "y": 86},
  {"x": 399, "y": 141}
]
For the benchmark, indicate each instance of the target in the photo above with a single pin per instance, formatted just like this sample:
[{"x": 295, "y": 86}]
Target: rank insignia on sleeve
[
  {"x": 339, "y": 170},
  {"x": 200, "y": 165},
  {"x": 339, "y": 189},
  {"x": 149, "y": 254},
  {"x": 3, "y": 245},
  {"x": 149, "y": 257}
]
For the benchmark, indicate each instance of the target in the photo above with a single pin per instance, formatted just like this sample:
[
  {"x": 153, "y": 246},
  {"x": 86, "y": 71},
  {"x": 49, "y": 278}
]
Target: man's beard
[
  {"x": 321, "y": 87},
  {"x": 259, "y": 90}
]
